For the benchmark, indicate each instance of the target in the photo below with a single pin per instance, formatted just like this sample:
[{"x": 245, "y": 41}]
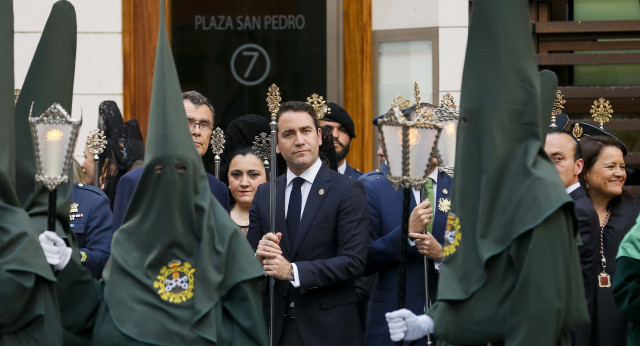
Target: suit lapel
[
  {"x": 281, "y": 224},
  {"x": 444, "y": 183},
  {"x": 317, "y": 194}
]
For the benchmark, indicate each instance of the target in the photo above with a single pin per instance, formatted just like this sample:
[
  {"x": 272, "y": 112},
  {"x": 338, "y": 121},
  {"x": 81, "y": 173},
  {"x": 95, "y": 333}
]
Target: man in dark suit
[
  {"x": 90, "y": 219},
  {"x": 321, "y": 242},
  {"x": 200, "y": 114},
  {"x": 564, "y": 151},
  {"x": 343, "y": 130},
  {"x": 385, "y": 213}
]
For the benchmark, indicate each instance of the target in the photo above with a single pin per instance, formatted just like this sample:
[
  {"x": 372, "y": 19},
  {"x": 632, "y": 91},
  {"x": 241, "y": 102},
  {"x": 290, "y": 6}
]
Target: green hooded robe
[
  {"x": 29, "y": 313},
  {"x": 626, "y": 287},
  {"x": 514, "y": 276},
  {"x": 180, "y": 271},
  {"x": 50, "y": 79}
]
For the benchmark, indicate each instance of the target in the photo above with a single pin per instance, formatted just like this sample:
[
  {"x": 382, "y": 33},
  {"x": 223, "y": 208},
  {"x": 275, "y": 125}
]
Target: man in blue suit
[
  {"x": 385, "y": 214},
  {"x": 320, "y": 247},
  {"x": 90, "y": 219},
  {"x": 200, "y": 114},
  {"x": 343, "y": 130}
]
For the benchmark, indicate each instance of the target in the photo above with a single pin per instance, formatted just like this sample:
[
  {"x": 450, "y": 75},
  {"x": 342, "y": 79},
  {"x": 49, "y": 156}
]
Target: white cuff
[{"x": 296, "y": 279}]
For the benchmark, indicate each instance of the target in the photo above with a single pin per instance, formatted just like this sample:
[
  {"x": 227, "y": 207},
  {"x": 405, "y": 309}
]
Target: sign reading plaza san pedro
[{"x": 232, "y": 51}]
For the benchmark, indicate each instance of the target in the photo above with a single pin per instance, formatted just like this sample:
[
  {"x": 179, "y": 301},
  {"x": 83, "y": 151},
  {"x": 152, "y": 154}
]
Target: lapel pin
[
  {"x": 445, "y": 191},
  {"x": 74, "y": 208},
  {"x": 321, "y": 192}
]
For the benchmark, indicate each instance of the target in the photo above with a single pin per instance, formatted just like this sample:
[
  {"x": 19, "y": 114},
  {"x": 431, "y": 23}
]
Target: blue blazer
[
  {"x": 128, "y": 182},
  {"x": 385, "y": 214},
  {"x": 90, "y": 219},
  {"x": 352, "y": 172},
  {"x": 329, "y": 251}
]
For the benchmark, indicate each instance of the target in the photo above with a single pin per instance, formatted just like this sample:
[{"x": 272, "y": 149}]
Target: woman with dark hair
[
  {"x": 603, "y": 178},
  {"x": 246, "y": 173}
]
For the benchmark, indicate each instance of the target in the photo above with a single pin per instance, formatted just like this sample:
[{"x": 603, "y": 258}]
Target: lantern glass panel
[
  {"x": 53, "y": 142},
  {"x": 447, "y": 143},
  {"x": 421, "y": 141},
  {"x": 393, "y": 144}
]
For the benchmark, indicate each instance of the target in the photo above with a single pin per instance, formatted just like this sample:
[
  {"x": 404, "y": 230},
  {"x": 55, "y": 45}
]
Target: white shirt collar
[
  {"x": 434, "y": 175},
  {"x": 573, "y": 187},
  {"x": 308, "y": 175},
  {"x": 343, "y": 167}
]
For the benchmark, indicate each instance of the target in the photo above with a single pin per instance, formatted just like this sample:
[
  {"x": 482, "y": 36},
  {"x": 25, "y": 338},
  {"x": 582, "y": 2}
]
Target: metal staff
[
  {"x": 273, "y": 100},
  {"x": 217, "y": 147},
  {"x": 423, "y": 196},
  {"x": 96, "y": 142}
]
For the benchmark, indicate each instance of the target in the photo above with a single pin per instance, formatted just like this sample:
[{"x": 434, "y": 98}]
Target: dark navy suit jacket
[
  {"x": 128, "y": 182},
  {"x": 330, "y": 251},
  {"x": 385, "y": 213},
  {"x": 589, "y": 259},
  {"x": 91, "y": 224},
  {"x": 352, "y": 172}
]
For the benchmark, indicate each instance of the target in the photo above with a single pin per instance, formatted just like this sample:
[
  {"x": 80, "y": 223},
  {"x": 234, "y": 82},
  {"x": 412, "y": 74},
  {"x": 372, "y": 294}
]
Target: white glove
[
  {"x": 405, "y": 325},
  {"x": 55, "y": 249}
]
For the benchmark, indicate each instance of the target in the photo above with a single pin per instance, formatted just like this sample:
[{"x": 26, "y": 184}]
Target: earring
[{"x": 586, "y": 184}]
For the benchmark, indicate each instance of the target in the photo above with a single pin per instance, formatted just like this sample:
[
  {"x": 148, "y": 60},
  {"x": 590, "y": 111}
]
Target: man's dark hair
[
  {"x": 577, "y": 151},
  {"x": 198, "y": 99},
  {"x": 298, "y": 106}
]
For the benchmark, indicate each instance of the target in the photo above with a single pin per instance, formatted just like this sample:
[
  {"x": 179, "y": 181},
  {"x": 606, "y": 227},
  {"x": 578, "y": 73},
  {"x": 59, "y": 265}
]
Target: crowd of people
[
  {"x": 357, "y": 261},
  {"x": 170, "y": 254}
]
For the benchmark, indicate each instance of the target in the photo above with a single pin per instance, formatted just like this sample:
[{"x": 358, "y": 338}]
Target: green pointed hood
[
  {"x": 174, "y": 229},
  {"x": 19, "y": 247},
  {"x": 49, "y": 79},
  {"x": 513, "y": 275},
  {"x": 505, "y": 184}
]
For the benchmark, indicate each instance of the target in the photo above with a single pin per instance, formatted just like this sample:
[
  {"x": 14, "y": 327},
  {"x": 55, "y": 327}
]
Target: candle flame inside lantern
[
  {"x": 414, "y": 136},
  {"x": 54, "y": 135},
  {"x": 450, "y": 129}
]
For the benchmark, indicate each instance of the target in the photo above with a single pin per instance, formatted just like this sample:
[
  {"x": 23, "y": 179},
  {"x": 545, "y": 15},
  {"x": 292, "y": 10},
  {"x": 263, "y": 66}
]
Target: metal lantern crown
[
  {"x": 54, "y": 136},
  {"x": 447, "y": 115},
  {"x": 409, "y": 142}
]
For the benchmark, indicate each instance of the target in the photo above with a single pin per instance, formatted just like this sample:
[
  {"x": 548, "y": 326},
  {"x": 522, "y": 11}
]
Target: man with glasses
[{"x": 200, "y": 114}]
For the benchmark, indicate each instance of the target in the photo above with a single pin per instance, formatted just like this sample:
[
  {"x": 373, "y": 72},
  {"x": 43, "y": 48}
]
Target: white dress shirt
[
  {"x": 343, "y": 167},
  {"x": 573, "y": 187}
]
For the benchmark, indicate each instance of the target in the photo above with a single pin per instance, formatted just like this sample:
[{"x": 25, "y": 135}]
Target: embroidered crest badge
[
  {"x": 444, "y": 204},
  {"x": 452, "y": 235},
  {"x": 175, "y": 282}
]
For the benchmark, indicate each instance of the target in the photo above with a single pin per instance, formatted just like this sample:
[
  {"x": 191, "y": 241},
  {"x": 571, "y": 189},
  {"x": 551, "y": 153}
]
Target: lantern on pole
[
  {"x": 410, "y": 142},
  {"x": 54, "y": 136}
]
